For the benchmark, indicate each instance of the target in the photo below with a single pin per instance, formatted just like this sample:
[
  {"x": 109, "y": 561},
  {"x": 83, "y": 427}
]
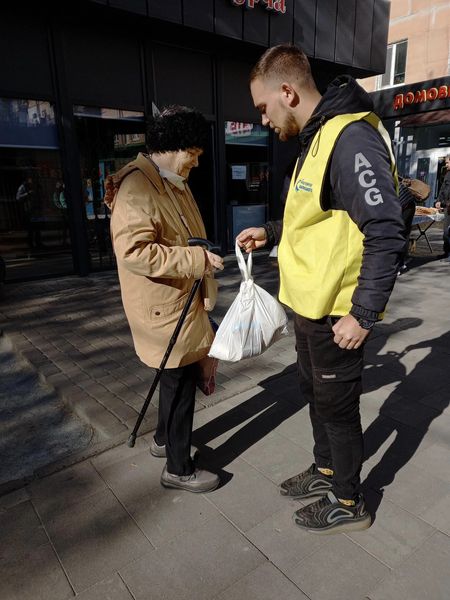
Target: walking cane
[{"x": 192, "y": 242}]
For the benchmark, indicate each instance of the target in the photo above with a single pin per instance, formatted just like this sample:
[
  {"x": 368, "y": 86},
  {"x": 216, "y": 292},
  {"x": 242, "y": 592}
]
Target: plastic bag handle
[{"x": 244, "y": 267}]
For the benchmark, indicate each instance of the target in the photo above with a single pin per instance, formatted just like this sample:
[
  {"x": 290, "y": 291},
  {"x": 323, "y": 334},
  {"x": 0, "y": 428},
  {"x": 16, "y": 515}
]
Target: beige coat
[{"x": 151, "y": 222}]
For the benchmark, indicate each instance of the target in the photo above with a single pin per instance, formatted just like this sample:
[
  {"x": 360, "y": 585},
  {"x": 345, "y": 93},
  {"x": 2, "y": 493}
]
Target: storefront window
[
  {"x": 108, "y": 139},
  {"x": 247, "y": 176},
  {"x": 34, "y": 218}
]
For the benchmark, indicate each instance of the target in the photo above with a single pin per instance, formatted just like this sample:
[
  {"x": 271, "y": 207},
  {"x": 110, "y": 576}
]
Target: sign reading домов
[{"x": 275, "y": 5}]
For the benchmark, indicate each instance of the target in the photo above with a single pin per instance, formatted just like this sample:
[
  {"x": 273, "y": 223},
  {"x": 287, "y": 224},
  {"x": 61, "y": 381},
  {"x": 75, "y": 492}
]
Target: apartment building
[{"x": 413, "y": 94}]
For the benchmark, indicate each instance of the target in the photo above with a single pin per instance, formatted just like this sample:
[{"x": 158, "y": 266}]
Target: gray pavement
[{"x": 104, "y": 528}]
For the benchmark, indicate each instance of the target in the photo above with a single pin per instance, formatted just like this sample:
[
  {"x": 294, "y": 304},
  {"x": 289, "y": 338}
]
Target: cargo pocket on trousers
[{"x": 339, "y": 374}]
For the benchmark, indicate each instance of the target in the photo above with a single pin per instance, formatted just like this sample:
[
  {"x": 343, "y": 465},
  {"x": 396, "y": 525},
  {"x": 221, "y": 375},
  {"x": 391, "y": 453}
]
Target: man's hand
[
  {"x": 252, "y": 238},
  {"x": 214, "y": 262},
  {"x": 348, "y": 333}
]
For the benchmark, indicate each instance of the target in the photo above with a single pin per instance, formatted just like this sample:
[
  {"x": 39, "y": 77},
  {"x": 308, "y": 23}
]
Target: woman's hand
[
  {"x": 252, "y": 238},
  {"x": 214, "y": 262}
]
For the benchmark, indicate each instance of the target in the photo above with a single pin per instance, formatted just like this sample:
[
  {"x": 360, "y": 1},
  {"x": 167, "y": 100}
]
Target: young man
[{"x": 338, "y": 256}]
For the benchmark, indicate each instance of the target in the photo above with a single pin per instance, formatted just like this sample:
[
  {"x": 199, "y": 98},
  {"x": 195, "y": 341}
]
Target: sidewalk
[{"x": 105, "y": 528}]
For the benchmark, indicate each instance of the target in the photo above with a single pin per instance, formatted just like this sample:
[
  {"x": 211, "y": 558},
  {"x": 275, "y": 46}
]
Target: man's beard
[{"x": 289, "y": 129}]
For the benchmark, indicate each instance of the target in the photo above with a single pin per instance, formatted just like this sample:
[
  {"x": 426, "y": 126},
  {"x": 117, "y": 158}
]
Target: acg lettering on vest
[{"x": 366, "y": 179}]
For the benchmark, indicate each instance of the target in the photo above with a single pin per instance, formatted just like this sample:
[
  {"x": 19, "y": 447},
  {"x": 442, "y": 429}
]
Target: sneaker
[
  {"x": 328, "y": 515},
  {"x": 307, "y": 484},
  {"x": 160, "y": 451},
  {"x": 200, "y": 481}
]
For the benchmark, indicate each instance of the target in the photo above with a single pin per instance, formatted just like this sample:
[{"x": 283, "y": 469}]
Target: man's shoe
[
  {"x": 160, "y": 451},
  {"x": 328, "y": 515},
  {"x": 308, "y": 484},
  {"x": 200, "y": 481}
]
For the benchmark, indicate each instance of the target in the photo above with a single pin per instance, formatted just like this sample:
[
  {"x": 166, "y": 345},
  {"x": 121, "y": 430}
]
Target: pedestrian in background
[
  {"x": 338, "y": 258},
  {"x": 408, "y": 206},
  {"x": 153, "y": 216},
  {"x": 443, "y": 202}
]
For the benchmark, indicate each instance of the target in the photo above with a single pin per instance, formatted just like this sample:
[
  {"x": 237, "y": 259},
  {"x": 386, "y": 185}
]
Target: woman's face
[{"x": 185, "y": 160}]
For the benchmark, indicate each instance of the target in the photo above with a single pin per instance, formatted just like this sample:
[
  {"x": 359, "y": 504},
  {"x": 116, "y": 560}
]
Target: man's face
[
  {"x": 268, "y": 99},
  {"x": 187, "y": 160}
]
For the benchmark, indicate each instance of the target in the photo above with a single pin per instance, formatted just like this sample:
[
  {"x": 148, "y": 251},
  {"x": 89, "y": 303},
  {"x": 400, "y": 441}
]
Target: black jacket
[
  {"x": 382, "y": 223},
  {"x": 444, "y": 192}
]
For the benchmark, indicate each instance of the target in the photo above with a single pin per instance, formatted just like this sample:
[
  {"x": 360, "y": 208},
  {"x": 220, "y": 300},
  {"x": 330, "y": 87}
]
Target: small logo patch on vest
[
  {"x": 303, "y": 185},
  {"x": 330, "y": 376}
]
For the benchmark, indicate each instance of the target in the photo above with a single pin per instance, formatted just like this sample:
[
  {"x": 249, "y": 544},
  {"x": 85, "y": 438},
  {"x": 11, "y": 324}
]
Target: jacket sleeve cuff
[
  {"x": 198, "y": 262},
  {"x": 364, "y": 313}
]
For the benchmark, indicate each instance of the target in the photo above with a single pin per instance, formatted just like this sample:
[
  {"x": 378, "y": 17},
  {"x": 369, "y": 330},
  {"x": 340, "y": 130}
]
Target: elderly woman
[{"x": 153, "y": 216}]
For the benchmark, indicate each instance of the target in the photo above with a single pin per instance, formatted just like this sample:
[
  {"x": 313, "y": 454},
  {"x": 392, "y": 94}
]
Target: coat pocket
[{"x": 160, "y": 311}]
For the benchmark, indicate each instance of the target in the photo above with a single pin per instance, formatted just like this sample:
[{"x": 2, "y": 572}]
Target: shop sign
[
  {"x": 236, "y": 129},
  {"x": 420, "y": 96},
  {"x": 275, "y": 5}
]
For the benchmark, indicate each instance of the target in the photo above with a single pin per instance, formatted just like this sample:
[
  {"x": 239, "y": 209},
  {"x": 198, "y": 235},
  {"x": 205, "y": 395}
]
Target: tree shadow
[
  {"x": 407, "y": 413},
  {"x": 264, "y": 411}
]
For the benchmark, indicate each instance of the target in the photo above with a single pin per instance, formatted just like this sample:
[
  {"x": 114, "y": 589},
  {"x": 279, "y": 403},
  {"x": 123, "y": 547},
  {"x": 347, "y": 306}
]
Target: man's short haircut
[
  {"x": 284, "y": 62},
  {"x": 176, "y": 128}
]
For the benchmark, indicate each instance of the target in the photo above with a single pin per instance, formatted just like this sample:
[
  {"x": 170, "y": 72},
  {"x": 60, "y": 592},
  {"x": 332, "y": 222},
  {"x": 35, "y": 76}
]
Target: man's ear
[{"x": 289, "y": 95}]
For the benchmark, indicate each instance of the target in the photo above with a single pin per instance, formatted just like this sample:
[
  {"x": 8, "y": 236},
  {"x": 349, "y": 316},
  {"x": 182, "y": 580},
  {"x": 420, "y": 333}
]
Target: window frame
[{"x": 391, "y": 84}]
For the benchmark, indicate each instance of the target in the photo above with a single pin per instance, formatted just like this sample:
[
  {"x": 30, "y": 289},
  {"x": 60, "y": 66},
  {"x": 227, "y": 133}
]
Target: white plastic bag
[{"x": 253, "y": 322}]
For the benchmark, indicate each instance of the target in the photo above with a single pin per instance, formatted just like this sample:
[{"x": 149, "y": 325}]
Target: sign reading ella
[{"x": 275, "y": 5}]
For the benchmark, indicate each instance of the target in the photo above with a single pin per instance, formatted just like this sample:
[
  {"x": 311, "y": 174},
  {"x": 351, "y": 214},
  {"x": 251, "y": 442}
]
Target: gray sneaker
[
  {"x": 160, "y": 451},
  {"x": 200, "y": 481},
  {"x": 307, "y": 484}
]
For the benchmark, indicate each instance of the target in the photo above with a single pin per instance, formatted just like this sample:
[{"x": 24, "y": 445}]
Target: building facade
[
  {"x": 413, "y": 94},
  {"x": 80, "y": 78}
]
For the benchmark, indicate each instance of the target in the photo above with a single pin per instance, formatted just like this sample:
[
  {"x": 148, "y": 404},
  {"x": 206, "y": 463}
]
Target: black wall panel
[
  {"x": 345, "y": 31},
  {"x": 256, "y": 26},
  {"x": 237, "y": 100},
  {"x": 363, "y": 34},
  {"x": 228, "y": 19},
  {"x": 183, "y": 77},
  {"x": 326, "y": 29},
  {"x": 199, "y": 14},
  {"x": 135, "y": 6},
  {"x": 282, "y": 25},
  {"x": 379, "y": 35},
  {"x": 103, "y": 67},
  {"x": 305, "y": 25},
  {"x": 169, "y": 10},
  {"x": 24, "y": 56}
]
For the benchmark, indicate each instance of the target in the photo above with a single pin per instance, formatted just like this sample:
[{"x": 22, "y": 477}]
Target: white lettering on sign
[
  {"x": 366, "y": 179},
  {"x": 238, "y": 129},
  {"x": 275, "y": 5}
]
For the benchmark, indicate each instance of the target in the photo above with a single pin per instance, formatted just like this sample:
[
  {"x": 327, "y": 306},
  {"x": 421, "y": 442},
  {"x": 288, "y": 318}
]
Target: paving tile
[
  {"x": 437, "y": 515},
  {"x": 134, "y": 476},
  {"x": 298, "y": 429},
  {"x": 21, "y": 531},
  {"x": 435, "y": 460},
  {"x": 277, "y": 457},
  {"x": 278, "y": 538},
  {"x": 37, "y": 575},
  {"x": 425, "y": 574},
  {"x": 120, "y": 453},
  {"x": 394, "y": 535},
  {"x": 165, "y": 514},
  {"x": 247, "y": 488},
  {"x": 94, "y": 538},
  {"x": 55, "y": 493},
  {"x": 416, "y": 490},
  {"x": 199, "y": 565},
  {"x": 112, "y": 588},
  {"x": 339, "y": 569},
  {"x": 264, "y": 583}
]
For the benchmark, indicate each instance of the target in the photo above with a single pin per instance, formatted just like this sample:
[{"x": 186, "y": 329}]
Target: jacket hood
[
  {"x": 143, "y": 164},
  {"x": 344, "y": 95}
]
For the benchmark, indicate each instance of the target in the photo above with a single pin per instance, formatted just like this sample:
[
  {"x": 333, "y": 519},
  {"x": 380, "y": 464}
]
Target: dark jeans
[
  {"x": 330, "y": 380},
  {"x": 175, "y": 417}
]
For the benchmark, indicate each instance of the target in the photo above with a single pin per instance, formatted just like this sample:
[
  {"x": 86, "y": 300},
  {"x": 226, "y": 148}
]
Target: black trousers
[
  {"x": 408, "y": 216},
  {"x": 330, "y": 380},
  {"x": 175, "y": 417}
]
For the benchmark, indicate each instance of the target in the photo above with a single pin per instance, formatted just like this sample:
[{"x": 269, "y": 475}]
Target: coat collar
[{"x": 144, "y": 164}]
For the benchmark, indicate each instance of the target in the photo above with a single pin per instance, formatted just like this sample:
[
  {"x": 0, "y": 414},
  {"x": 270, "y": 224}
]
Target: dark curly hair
[{"x": 176, "y": 128}]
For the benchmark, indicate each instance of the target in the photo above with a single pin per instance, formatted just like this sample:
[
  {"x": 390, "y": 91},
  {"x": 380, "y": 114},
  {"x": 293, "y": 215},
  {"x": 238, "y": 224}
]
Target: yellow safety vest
[{"x": 320, "y": 252}]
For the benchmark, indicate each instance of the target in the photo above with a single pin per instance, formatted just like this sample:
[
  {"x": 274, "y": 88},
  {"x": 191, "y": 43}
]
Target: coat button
[{"x": 157, "y": 313}]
